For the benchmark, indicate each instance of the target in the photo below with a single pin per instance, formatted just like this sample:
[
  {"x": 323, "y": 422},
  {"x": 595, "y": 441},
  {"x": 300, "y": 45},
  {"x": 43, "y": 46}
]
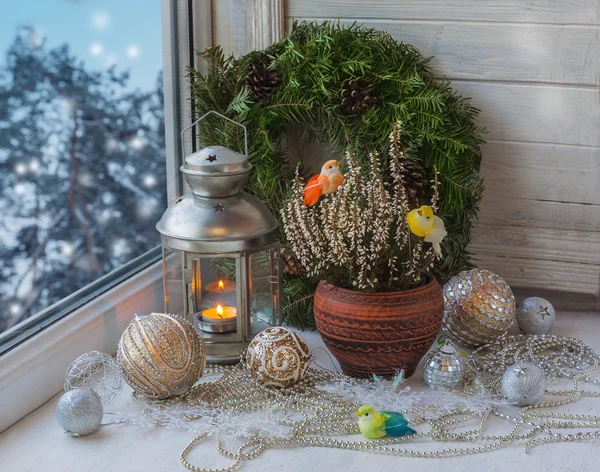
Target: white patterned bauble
[{"x": 278, "y": 357}]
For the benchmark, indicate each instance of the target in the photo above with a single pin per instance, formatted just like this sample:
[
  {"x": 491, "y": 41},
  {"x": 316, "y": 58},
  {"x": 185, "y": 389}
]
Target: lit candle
[
  {"x": 222, "y": 286},
  {"x": 220, "y": 292},
  {"x": 221, "y": 319},
  {"x": 220, "y": 313}
]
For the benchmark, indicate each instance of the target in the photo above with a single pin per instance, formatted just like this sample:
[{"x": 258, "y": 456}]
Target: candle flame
[
  {"x": 221, "y": 285},
  {"x": 220, "y": 311}
]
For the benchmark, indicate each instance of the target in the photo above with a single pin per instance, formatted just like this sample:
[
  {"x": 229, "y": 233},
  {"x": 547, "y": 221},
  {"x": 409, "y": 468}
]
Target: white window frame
[{"x": 33, "y": 372}]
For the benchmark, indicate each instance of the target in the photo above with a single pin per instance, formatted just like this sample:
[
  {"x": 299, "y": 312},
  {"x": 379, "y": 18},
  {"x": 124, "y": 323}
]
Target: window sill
[
  {"x": 38, "y": 443},
  {"x": 33, "y": 372}
]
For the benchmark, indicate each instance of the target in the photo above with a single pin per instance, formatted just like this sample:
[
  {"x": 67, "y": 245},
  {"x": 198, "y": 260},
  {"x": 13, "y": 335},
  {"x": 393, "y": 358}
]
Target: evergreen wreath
[{"x": 348, "y": 86}]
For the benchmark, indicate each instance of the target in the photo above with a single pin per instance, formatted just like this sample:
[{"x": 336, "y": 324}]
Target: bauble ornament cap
[
  {"x": 535, "y": 315},
  {"x": 278, "y": 357},
  {"x": 524, "y": 383}
]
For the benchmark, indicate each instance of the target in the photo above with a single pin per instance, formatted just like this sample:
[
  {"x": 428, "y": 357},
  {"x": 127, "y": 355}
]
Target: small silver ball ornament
[
  {"x": 79, "y": 412},
  {"x": 524, "y": 383},
  {"x": 443, "y": 368},
  {"x": 535, "y": 315}
]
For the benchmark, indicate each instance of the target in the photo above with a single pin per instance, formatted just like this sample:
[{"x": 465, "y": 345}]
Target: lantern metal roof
[
  {"x": 217, "y": 217},
  {"x": 215, "y": 225}
]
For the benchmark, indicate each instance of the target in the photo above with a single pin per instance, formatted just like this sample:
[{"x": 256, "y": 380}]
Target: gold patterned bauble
[
  {"x": 278, "y": 357},
  {"x": 161, "y": 355},
  {"x": 479, "y": 307}
]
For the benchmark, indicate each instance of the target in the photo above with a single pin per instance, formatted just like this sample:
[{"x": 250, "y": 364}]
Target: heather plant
[{"x": 358, "y": 237}]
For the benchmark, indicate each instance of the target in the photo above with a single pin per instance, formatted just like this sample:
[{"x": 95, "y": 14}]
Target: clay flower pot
[{"x": 379, "y": 332}]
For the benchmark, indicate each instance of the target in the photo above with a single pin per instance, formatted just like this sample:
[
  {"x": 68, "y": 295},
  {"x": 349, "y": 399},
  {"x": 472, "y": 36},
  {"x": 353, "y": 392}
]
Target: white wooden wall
[{"x": 533, "y": 68}]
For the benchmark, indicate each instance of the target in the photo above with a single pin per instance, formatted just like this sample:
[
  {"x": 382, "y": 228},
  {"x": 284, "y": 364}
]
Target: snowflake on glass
[{"x": 98, "y": 372}]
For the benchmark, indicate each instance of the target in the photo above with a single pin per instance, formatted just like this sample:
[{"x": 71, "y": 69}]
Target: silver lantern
[{"x": 221, "y": 261}]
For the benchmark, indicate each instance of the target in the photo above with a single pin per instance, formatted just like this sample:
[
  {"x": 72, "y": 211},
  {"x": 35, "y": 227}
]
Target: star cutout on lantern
[
  {"x": 219, "y": 207},
  {"x": 236, "y": 185},
  {"x": 211, "y": 158},
  {"x": 521, "y": 371},
  {"x": 544, "y": 312}
]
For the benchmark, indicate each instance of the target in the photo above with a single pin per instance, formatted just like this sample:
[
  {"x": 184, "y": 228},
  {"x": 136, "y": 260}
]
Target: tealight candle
[
  {"x": 221, "y": 319},
  {"x": 222, "y": 286},
  {"x": 220, "y": 292}
]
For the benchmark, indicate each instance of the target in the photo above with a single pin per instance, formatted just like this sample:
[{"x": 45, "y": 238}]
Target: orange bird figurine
[{"x": 321, "y": 184}]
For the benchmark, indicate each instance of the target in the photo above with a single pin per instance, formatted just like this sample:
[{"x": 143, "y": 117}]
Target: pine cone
[
  {"x": 357, "y": 95},
  {"x": 262, "y": 81},
  {"x": 291, "y": 266},
  {"x": 414, "y": 180}
]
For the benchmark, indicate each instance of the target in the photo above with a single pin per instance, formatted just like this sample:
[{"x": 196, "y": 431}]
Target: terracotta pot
[{"x": 380, "y": 332}]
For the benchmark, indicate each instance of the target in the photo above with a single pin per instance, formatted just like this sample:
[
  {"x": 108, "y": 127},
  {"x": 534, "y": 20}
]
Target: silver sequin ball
[
  {"x": 79, "y": 412},
  {"x": 524, "y": 383},
  {"x": 443, "y": 368}
]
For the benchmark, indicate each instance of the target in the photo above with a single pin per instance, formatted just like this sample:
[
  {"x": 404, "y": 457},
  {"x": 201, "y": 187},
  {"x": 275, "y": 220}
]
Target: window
[{"x": 82, "y": 151}]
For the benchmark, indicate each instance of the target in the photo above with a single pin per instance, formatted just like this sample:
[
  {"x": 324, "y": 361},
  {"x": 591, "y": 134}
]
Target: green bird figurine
[{"x": 374, "y": 424}]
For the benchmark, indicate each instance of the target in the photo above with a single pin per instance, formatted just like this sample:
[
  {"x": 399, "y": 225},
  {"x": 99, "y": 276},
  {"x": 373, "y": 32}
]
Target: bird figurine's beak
[
  {"x": 357, "y": 414},
  {"x": 338, "y": 163}
]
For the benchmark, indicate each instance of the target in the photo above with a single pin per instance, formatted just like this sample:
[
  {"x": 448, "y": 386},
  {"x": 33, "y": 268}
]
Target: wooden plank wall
[{"x": 533, "y": 68}]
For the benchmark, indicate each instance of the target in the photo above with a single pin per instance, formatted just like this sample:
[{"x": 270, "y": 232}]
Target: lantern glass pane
[
  {"x": 173, "y": 281},
  {"x": 264, "y": 289},
  {"x": 212, "y": 294}
]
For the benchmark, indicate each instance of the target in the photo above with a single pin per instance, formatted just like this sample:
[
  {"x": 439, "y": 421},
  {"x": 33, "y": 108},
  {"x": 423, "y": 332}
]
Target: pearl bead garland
[{"x": 325, "y": 414}]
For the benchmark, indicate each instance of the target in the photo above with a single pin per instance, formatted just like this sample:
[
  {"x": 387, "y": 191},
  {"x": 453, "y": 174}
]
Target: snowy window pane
[{"x": 82, "y": 148}]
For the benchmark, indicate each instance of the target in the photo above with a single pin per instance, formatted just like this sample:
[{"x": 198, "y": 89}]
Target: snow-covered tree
[{"x": 82, "y": 174}]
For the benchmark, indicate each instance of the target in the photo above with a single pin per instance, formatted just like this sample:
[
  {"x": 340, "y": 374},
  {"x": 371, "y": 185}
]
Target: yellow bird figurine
[
  {"x": 374, "y": 424},
  {"x": 424, "y": 223},
  {"x": 321, "y": 184}
]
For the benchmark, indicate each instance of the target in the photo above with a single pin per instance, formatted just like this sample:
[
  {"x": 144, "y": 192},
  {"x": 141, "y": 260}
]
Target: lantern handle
[{"x": 204, "y": 116}]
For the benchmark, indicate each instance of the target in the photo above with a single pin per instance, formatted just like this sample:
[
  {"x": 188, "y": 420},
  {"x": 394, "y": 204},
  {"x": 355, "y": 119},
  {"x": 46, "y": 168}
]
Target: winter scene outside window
[{"x": 82, "y": 158}]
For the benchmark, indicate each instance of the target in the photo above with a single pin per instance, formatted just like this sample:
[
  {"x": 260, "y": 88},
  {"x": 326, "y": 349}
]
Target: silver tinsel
[
  {"x": 535, "y": 316},
  {"x": 524, "y": 383},
  {"x": 79, "y": 412},
  {"x": 97, "y": 371},
  {"x": 443, "y": 368}
]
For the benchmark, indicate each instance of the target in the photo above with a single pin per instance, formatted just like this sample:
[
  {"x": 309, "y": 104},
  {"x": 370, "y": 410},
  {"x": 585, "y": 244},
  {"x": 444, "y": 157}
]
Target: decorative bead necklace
[{"x": 320, "y": 414}]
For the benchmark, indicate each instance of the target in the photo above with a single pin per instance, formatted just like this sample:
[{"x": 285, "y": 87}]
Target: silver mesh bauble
[
  {"x": 535, "y": 315},
  {"x": 79, "y": 412},
  {"x": 443, "y": 368},
  {"x": 97, "y": 371},
  {"x": 524, "y": 383}
]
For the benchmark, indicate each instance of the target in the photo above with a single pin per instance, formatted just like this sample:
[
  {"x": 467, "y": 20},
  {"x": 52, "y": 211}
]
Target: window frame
[{"x": 32, "y": 369}]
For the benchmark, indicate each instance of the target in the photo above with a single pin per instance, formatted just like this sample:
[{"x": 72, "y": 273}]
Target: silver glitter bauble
[
  {"x": 79, "y": 412},
  {"x": 524, "y": 383},
  {"x": 535, "y": 315},
  {"x": 443, "y": 368},
  {"x": 97, "y": 371}
]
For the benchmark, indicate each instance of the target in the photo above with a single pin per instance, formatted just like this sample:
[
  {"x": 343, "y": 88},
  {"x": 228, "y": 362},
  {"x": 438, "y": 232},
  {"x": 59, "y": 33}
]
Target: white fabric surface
[{"x": 37, "y": 442}]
